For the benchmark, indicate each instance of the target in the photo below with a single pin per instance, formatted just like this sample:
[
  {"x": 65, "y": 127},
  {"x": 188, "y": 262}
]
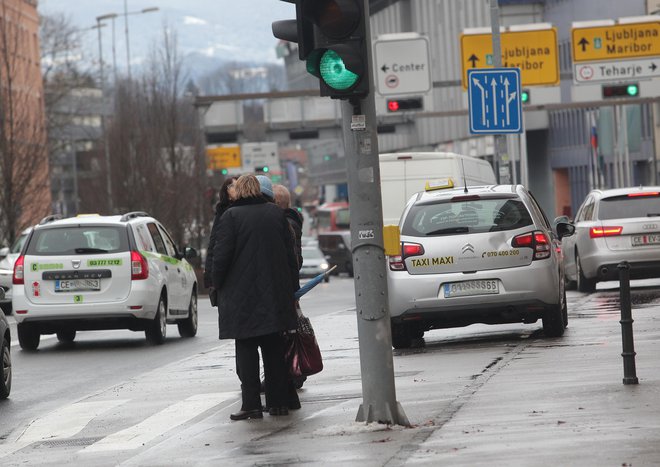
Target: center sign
[
  {"x": 534, "y": 51},
  {"x": 402, "y": 64}
]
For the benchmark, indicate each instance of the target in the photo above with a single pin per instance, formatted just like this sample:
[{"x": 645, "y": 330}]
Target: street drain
[{"x": 69, "y": 442}]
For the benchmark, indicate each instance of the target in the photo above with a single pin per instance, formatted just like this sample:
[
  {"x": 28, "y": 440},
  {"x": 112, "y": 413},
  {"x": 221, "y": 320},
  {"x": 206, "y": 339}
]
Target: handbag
[{"x": 302, "y": 350}]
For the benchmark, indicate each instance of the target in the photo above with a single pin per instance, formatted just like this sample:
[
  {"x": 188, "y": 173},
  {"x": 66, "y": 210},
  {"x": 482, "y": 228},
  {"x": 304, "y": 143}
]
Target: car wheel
[
  {"x": 583, "y": 283},
  {"x": 401, "y": 336},
  {"x": 66, "y": 336},
  {"x": 188, "y": 326},
  {"x": 6, "y": 308},
  {"x": 28, "y": 337},
  {"x": 553, "y": 319},
  {"x": 5, "y": 379},
  {"x": 349, "y": 268},
  {"x": 157, "y": 328}
]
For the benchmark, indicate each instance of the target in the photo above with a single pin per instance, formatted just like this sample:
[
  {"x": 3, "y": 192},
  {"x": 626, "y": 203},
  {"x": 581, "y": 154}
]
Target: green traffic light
[
  {"x": 333, "y": 71},
  {"x": 524, "y": 97},
  {"x": 632, "y": 89},
  {"x": 265, "y": 169},
  {"x": 225, "y": 171}
]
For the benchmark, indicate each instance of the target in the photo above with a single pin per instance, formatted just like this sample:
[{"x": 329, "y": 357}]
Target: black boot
[{"x": 246, "y": 414}]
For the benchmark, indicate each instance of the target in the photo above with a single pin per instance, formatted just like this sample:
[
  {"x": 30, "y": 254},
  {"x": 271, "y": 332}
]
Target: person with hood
[
  {"x": 227, "y": 195},
  {"x": 256, "y": 274}
]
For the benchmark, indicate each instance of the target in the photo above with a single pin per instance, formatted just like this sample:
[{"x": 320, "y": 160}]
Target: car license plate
[
  {"x": 467, "y": 288},
  {"x": 650, "y": 239},
  {"x": 77, "y": 285}
]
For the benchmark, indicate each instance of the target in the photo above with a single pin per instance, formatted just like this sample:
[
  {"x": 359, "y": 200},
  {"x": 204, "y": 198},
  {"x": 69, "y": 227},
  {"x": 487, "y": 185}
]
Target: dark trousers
[{"x": 275, "y": 372}]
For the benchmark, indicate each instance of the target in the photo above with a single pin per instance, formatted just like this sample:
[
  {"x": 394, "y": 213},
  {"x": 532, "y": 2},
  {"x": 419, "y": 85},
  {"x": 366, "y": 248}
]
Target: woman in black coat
[
  {"x": 256, "y": 274},
  {"x": 227, "y": 195}
]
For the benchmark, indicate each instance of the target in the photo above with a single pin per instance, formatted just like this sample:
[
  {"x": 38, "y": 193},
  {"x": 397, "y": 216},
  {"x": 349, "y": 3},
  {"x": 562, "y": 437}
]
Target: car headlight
[{"x": 324, "y": 266}]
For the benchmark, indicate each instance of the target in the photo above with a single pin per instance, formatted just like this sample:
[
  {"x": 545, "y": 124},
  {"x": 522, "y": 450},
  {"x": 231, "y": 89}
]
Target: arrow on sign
[
  {"x": 384, "y": 68},
  {"x": 653, "y": 66},
  {"x": 483, "y": 100},
  {"x": 584, "y": 42},
  {"x": 509, "y": 98},
  {"x": 494, "y": 86},
  {"x": 473, "y": 58}
]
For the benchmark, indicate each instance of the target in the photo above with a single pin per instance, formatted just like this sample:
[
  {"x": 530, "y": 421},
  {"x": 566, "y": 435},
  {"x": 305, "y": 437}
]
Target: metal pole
[
  {"x": 615, "y": 161},
  {"x": 501, "y": 156},
  {"x": 376, "y": 361},
  {"x": 108, "y": 179},
  {"x": 626, "y": 151},
  {"x": 128, "y": 46},
  {"x": 628, "y": 354},
  {"x": 524, "y": 166},
  {"x": 114, "y": 53}
]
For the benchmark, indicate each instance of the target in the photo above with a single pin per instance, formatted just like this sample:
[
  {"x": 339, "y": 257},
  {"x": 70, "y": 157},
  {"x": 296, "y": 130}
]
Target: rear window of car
[
  {"x": 312, "y": 253},
  {"x": 624, "y": 207},
  {"x": 465, "y": 217},
  {"x": 78, "y": 240}
]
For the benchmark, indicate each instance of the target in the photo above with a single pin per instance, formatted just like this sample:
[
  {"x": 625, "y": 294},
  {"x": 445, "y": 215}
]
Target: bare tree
[{"x": 24, "y": 192}]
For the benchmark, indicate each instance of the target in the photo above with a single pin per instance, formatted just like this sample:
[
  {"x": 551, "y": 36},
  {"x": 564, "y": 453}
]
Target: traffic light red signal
[
  {"x": 332, "y": 38},
  {"x": 397, "y": 105}
]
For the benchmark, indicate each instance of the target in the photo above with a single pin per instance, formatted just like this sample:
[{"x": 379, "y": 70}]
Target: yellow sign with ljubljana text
[
  {"x": 618, "y": 41},
  {"x": 223, "y": 157},
  {"x": 533, "y": 51}
]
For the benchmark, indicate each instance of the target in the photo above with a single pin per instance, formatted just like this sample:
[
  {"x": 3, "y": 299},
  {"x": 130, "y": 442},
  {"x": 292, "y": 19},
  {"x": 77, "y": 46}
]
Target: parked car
[
  {"x": 484, "y": 255},
  {"x": 5, "y": 355},
  {"x": 103, "y": 272},
  {"x": 9, "y": 256},
  {"x": 612, "y": 226},
  {"x": 314, "y": 263}
]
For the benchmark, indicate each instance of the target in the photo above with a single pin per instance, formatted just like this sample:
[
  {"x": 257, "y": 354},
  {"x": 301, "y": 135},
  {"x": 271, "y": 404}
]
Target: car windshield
[
  {"x": 312, "y": 253},
  {"x": 78, "y": 240},
  {"x": 466, "y": 216},
  {"x": 623, "y": 207}
]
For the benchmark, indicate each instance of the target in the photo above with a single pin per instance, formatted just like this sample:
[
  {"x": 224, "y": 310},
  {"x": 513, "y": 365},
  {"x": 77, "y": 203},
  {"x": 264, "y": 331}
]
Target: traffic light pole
[
  {"x": 379, "y": 402},
  {"x": 500, "y": 146}
]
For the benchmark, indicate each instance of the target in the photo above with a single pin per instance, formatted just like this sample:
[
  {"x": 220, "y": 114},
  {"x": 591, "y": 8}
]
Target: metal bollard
[{"x": 628, "y": 354}]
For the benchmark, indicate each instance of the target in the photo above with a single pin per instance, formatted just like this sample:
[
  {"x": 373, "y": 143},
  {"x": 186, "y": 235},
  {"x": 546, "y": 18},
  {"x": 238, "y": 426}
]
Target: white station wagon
[{"x": 102, "y": 272}]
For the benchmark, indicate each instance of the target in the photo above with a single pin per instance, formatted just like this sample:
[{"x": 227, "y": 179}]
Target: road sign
[
  {"x": 533, "y": 51},
  {"x": 402, "y": 64},
  {"x": 494, "y": 101},
  {"x": 620, "y": 70},
  {"x": 616, "y": 41},
  {"x": 223, "y": 157}
]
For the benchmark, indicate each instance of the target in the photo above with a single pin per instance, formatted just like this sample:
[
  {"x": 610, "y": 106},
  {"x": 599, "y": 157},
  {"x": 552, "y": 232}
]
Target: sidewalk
[{"x": 533, "y": 402}]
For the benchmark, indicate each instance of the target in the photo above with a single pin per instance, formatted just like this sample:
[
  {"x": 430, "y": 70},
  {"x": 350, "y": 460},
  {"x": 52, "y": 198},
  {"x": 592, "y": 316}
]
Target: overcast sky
[{"x": 234, "y": 30}]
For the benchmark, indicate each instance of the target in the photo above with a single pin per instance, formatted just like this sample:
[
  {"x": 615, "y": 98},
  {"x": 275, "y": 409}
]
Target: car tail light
[
  {"x": 407, "y": 250},
  {"x": 19, "y": 271},
  {"x": 649, "y": 193},
  {"x": 612, "y": 231},
  {"x": 139, "y": 266},
  {"x": 537, "y": 240}
]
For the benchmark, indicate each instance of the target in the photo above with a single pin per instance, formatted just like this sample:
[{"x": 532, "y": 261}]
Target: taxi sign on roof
[
  {"x": 532, "y": 48},
  {"x": 616, "y": 41},
  {"x": 440, "y": 184}
]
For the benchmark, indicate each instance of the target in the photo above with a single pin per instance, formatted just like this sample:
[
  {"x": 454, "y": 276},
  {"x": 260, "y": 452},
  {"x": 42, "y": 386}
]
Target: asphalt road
[{"x": 111, "y": 399}]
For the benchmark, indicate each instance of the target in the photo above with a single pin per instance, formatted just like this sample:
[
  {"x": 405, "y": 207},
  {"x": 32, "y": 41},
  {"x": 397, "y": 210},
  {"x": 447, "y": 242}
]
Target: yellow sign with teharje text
[
  {"x": 619, "y": 41},
  {"x": 533, "y": 51},
  {"x": 223, "y": 157}
]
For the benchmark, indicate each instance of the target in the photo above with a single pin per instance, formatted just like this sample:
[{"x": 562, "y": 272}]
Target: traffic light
[
  {"x": 224, "y": 171},
  {"x": 262, "y": 170},
  {"x": 399, "y": 105},
  {"x": 525, "y": 96},
  {"x": 621, "y": 90},
  {"x": 331, "y": 37}
]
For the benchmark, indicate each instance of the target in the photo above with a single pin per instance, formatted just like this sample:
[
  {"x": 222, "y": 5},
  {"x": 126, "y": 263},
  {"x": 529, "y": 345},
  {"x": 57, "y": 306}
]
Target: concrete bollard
[{"x": 628, "y": 354}]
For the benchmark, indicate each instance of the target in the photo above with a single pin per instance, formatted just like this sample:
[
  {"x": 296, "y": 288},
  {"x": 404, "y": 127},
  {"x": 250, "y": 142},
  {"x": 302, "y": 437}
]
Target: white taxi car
[
  {"x": 476, "y": 255},
  {"x": 102, "y": 272}
]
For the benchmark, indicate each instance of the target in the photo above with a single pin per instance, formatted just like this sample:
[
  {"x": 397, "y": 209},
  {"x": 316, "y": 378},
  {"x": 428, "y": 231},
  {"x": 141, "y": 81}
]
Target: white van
[{"x": 404, "y": 174}]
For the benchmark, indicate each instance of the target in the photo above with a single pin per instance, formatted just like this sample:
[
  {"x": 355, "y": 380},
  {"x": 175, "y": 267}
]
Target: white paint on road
[
  {"x": 64, "y": 422},
  {"x": 160, "y": 423}
]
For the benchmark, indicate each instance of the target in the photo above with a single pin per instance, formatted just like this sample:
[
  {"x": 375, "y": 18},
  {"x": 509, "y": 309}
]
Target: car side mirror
[
  {"x": 189, "y": 253},
  {"x": 4, "y": 252},
  {"x": 565, "y": 229}
]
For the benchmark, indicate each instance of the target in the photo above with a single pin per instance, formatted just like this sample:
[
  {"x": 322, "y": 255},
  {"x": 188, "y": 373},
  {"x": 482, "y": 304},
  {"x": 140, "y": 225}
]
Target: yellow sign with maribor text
[
  {"x": 533, "y": 51},
  {"x": 223, "y": 157},
  {"x": 618, "y": 41}
]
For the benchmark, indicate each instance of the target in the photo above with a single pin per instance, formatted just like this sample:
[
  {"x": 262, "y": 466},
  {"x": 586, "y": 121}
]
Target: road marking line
[
  {"x": 64, "y": 422},
  {"x": 159, "y": 423}
]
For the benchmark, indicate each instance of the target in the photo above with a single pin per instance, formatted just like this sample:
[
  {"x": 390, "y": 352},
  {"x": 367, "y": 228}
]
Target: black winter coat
[
  {"x": 296, "y": 221},
  {"x": 208, "y": 264},
  {"x": 255, "y": 271}
]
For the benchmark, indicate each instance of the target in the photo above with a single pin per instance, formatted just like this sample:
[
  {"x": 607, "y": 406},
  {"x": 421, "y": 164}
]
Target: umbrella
[{"x": 309, "y": 285}]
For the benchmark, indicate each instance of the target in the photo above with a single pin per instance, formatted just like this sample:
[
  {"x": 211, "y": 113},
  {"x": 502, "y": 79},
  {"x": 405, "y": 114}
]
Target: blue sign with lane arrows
[{"x": 494, "y": 100}]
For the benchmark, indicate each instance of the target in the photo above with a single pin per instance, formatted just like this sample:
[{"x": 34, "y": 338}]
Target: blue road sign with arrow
[{"x": 494, "y": 100}]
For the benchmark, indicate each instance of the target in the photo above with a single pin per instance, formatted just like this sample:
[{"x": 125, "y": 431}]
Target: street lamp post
[
  {"x": 106, "y": 147},
  {"x": 128, "y": 42}
]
